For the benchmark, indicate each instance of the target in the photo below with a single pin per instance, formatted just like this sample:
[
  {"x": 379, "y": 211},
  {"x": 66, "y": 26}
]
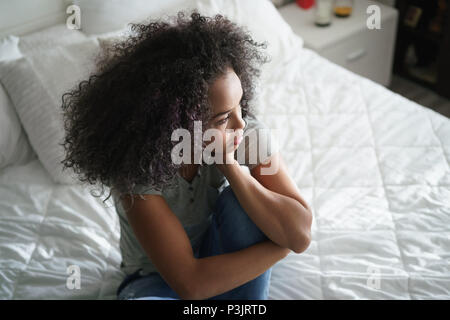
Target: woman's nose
[{"x": 240, "y": 124}]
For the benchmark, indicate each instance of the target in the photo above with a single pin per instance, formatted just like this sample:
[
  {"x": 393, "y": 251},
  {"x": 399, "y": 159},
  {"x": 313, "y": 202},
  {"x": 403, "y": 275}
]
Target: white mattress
[{"x": 373, "y": 165}]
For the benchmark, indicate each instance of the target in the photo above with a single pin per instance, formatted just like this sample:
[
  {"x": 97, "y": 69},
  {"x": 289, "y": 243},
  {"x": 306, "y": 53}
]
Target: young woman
[{"x": 195, "y": 230}]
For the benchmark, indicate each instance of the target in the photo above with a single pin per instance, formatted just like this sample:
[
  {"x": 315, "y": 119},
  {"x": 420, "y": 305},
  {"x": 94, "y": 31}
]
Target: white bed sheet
[{"x": 373, "y": 165}]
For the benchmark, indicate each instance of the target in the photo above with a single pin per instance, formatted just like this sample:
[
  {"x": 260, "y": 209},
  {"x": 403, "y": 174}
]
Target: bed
[{"x": 373, "y": 165}]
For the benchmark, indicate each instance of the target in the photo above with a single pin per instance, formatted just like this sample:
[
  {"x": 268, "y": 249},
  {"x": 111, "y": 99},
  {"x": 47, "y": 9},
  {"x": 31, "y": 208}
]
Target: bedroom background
[
  {"x": 419, "y": 46},
  {"x": 368, "y": 147}
]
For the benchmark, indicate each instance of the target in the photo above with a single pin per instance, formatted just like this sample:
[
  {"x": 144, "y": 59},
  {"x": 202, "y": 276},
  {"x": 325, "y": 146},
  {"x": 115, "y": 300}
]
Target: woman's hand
[
  {"x": 228, "y": 158},
  {"x": 228, "y": 161}
]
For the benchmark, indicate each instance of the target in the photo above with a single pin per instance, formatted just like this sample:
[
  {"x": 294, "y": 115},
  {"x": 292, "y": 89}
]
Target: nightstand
[{"x": 348, "y": 42}]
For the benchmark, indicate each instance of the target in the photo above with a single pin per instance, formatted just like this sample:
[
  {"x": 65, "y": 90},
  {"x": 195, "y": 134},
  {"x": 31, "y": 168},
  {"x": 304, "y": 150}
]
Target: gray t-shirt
[{"x": 192, "y": 202}]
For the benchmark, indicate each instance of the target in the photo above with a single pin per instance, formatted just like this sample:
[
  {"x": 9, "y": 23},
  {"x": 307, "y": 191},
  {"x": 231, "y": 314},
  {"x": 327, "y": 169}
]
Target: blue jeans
[{"x": 231, "y": 230}]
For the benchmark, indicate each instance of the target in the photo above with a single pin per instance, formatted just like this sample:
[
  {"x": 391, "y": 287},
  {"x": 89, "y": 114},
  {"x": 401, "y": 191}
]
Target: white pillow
[
  {"x": 48, "y": 38},
  {"x": 36, "y": 84},
  {"x": 265, "y": 24},
  {"x": 99, "y": 16},
  {"x": 9, "y": 48},
  {"x": 14, "y": 145}
]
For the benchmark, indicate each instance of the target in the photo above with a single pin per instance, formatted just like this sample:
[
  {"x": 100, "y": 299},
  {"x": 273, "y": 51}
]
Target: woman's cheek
[{"x": 227, "y": 141}]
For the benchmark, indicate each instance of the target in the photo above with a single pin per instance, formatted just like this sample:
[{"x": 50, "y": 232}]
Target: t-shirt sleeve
[
  {"x": 145, "y": 189},
  {"x": 258, "y": 144}
]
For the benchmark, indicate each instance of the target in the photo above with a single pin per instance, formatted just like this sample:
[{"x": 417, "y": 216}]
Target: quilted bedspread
[{"x": 373, "y": 165}]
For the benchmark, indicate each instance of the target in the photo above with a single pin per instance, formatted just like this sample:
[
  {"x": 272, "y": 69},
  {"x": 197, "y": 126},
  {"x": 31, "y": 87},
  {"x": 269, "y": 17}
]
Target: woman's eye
[{"x": 224, "y": 120}]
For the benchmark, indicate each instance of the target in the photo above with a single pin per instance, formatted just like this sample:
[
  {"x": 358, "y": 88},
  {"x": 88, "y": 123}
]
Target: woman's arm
[
  {"x": 221, "y": 273},
  {"x": 281, "y": 217},
  {"x": 163, "y": 238}
]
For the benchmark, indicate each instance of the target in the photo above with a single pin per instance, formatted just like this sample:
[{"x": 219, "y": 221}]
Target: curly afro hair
[{"x": 119, "y": 122}]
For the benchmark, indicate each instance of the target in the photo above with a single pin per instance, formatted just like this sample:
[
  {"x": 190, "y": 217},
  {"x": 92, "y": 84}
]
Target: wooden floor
[{"x": 421, "y": 95}]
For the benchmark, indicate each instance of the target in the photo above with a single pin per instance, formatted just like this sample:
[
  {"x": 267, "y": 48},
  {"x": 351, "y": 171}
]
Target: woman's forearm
[
  {"x": 279, "y": 217},
  {"x": 218, "y": 274}
]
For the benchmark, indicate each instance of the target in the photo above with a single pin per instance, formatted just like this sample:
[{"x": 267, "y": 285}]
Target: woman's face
[{"x": 225, "y": 96}]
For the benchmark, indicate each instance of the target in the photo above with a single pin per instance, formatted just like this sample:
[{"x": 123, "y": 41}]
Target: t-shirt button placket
[{"x": 191, "y": 189}]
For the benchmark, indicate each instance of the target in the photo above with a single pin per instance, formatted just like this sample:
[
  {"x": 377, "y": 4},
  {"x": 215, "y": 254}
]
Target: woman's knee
[{"x": 236, "y": 229}]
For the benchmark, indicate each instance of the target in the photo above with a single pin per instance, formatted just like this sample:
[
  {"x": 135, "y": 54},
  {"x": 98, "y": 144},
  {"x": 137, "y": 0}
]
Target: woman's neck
[{"x": 188, "y": 171}]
